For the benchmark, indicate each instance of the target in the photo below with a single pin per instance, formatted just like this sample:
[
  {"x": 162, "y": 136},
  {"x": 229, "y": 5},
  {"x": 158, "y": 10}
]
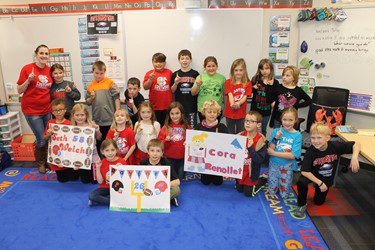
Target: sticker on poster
[{"x": 279, "y": 39}]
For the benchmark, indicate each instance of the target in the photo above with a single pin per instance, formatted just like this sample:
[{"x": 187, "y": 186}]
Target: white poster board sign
[
  {"x": 140, "y": 189},
  {"x": 71, "y": 146},
  {"x": 214, "y": 153}
]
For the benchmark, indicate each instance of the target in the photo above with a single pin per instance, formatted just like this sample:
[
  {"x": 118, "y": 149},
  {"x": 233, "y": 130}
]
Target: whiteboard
[
  {"x": 347, "y": 49},
  {"x": 223, "y": 33},
  {"x": 21, "y": 35}
]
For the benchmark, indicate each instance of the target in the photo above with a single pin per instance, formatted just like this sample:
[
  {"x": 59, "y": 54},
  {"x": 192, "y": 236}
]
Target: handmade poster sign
[
  {"x": 140, "y": 189},
  {"x": 215, "y": 153},
  {"x": 71, "y": 146}
]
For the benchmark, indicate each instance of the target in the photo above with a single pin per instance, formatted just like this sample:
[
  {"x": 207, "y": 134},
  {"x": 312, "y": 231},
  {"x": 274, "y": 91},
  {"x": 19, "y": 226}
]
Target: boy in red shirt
[
  {"x": 110, "y": 151},
  {"x": 58, "y": 110},
  {"x": 158, "y": 82}
]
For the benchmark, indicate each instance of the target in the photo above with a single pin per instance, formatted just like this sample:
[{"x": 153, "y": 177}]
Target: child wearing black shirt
[
  {"x": 133, "y": 98},
  {"x": 211, "y": 110},
  {"x": 182, "y": 81},
  {"x": 155, "y": 150},
  {"x": 287, "y": 94},
  {"x": 320, "y": 164}
]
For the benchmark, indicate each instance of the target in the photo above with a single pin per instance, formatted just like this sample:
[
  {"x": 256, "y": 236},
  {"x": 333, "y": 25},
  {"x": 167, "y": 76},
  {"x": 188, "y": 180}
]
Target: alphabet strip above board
[
  {"x": 81, "y": 7},
  {"x": 118, "y": 5}
]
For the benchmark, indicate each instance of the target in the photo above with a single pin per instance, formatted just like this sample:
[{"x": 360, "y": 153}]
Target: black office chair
[{"x": 328, "y": 104}]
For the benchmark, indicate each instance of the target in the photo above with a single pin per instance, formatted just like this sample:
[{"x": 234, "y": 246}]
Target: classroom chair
[{"x": 329, "y": 104}]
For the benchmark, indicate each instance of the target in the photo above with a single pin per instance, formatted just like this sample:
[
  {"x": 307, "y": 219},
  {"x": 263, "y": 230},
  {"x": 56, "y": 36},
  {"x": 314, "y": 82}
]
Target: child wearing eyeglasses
[
  {"x": 58, "y": 110},
  {"x": 255, "y": 154}
]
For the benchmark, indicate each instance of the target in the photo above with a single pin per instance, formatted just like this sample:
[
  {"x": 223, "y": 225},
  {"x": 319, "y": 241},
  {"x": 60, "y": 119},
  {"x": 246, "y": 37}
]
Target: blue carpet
[{"x": 37, "y": 212}]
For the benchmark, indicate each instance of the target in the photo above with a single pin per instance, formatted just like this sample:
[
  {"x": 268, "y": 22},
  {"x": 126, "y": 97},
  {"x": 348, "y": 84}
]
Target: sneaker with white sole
[
  {"x": 174, "y": 202},
  {"x": 300, "y": 211}
]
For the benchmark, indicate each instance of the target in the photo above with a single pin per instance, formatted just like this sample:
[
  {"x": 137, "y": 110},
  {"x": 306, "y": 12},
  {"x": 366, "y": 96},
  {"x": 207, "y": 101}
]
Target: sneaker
[
  {"x": 256, "y": 188},
  {"x": 92, "y": 203},
  {"x": 174, "y": 202},
  {"x": 300, "y": 211}
]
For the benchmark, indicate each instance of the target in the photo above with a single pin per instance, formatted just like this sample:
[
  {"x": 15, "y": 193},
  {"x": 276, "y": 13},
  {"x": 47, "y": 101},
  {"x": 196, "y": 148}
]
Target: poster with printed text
[
  {"x": 71, "y": 146},
  {"x": 140, "y": 189},
  {"x": 215, "y": 153}
]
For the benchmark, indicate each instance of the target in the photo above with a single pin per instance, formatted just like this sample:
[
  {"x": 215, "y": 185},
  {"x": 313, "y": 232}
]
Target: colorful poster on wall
[
  {"x": 278, "y": 55},
  {"x": 307, "y": 84},
  {"x": 71, "y": 146},
  {"x": 99, "y": 24},
  {"x": 279, "y": 39},
  {"x": 215, "y": 153},
  {"x": 360, "y": 101},
  {"x": 280, "y": 23},
  {"x": 140, "y": 189}
]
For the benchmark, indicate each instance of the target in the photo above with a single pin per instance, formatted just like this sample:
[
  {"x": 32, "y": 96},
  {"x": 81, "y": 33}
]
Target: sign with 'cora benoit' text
[
  {"x": 140, "y": 188},
  {"x": 215, "y": 153},
  {"x": 71, "y": 146}
]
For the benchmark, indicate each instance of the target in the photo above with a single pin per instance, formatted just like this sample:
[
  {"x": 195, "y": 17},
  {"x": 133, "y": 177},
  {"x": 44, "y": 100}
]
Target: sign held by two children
[{"x": 215, "y": 153}]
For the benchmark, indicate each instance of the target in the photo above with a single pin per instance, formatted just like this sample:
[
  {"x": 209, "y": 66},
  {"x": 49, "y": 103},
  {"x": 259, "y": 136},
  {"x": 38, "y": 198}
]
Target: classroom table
[{"x": 366, "y": 140}]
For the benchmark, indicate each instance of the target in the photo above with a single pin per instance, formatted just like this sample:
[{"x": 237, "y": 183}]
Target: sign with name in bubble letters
[
  {"x": 215, "y": 153},
  {"x": 140, "y": 189},
  {"x": 71, "y": 146}
]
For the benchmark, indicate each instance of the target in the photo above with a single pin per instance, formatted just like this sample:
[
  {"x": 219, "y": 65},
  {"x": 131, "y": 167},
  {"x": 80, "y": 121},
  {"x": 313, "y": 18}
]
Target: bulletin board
[
  {"x": 347, "y": 51},
  {"x": 22, "y": 34}
]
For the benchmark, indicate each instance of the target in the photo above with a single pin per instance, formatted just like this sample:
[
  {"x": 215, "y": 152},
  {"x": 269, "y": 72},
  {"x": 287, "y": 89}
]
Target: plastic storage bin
[{"x": 23, "y": 151}]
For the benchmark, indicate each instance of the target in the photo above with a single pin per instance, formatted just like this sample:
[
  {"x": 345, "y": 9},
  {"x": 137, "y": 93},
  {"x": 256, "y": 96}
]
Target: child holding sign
[
  {"x": 110, "y": 151},
  {"x": 173, "y": 135},
  {"x": 58, "y": 110},
  {"x": 211, "y": 111},
  {"x": 155, "y": 149},
  {"x": 255, "y": 154},
  {"x": 285, "y": 147},
  {"x": 80, "y": 117},
  {"x": 121, "y": 131}
]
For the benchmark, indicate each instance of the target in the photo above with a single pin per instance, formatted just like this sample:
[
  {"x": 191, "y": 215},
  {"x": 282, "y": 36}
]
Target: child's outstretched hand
[
  {"x": 279, "y": 133},
  {"x": 31, "y": 77},
  {"x": 199, "y": 81},
  {"x": 68, "y": 89},
  {"x": 177, "y": 79},
  {"x": 152, "y": 76},
  {"x": 95, "y": 126},
  {"x": 255, "y": 86}
]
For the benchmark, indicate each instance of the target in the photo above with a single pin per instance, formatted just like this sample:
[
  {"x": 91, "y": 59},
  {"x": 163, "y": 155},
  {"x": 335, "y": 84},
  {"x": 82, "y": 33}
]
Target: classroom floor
[{"x": 210, "y": 225}]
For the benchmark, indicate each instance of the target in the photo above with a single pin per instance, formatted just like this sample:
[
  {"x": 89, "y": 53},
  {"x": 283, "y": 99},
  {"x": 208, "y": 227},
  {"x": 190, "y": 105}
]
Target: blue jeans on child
[
  {"x": 178, "y": 165},
  {"x": 38, "y": 124},
  {"x": 280, "y": 177},
  {"x": 100, "y": 195}
]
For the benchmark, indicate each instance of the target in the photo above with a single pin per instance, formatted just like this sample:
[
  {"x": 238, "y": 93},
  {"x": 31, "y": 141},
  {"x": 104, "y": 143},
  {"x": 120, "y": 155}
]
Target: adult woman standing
[{"x": 35, "y": 83}]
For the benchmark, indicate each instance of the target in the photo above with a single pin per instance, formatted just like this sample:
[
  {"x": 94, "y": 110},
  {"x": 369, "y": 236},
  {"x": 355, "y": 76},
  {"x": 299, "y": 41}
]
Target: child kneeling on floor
[
  {"x": 320, "y": 164},
  {"x": 110, "y": 151},
  {"x": 155, "y": 150},
  {"x": 255, "y": 154}
]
